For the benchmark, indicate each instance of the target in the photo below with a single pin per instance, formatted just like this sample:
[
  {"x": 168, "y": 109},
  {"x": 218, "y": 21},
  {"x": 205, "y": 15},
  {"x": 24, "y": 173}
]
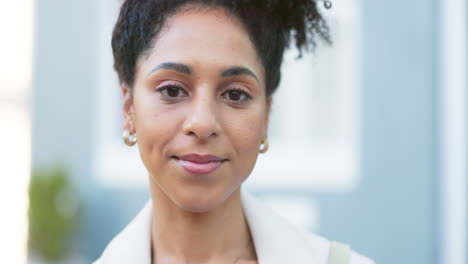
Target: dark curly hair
[{"x": 271, "y": 25}]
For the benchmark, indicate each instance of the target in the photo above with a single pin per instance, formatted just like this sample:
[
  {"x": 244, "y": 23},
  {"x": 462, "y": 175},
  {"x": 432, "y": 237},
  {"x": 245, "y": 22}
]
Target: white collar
[{"x": 276, "y": 241}]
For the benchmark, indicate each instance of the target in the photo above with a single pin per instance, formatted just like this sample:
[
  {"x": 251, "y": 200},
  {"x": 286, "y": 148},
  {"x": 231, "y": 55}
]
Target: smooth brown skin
[{"x": 199, "y": 219}]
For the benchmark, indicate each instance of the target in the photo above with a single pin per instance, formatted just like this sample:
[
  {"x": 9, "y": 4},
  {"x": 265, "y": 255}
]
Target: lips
[{"x": 199, "y": 164}]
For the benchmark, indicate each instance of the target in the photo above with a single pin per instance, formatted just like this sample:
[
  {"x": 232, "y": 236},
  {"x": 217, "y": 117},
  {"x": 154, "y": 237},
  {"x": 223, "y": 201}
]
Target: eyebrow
[
  {"x": 239, "y": 70},
  {"x": 179, "y": 67},
  {"x": 183, "y": 68}
]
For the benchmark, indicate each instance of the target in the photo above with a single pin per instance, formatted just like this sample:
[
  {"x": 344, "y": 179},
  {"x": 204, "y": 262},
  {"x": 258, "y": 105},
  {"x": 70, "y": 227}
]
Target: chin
[{"x": 200, "y": 200}]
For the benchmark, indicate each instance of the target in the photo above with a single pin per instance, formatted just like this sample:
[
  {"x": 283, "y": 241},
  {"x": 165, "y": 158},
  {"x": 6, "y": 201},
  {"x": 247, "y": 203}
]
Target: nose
[{"x": 202, "y": 120}]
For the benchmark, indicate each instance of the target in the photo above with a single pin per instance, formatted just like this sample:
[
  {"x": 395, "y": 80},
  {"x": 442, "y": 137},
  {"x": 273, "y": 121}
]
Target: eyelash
[
  {"x": 180, "y": 89},
  {"x": 247, "y": 95},
  {"x": 166, "y": 87}
]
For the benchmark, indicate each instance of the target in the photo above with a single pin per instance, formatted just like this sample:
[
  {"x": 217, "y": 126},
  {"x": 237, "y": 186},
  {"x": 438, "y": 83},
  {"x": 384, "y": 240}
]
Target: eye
[
  {"x": 237, "y": 95},
  {"x": 172, "y": 92}
]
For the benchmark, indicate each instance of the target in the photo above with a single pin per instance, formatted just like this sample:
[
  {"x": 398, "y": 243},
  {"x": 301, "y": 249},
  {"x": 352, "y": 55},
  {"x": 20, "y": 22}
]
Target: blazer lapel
[{"x": 276, "y": 240}]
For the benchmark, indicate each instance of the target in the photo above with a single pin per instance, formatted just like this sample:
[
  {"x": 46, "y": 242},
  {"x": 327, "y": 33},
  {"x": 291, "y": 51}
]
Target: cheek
[
  {"x": 156, "y": 124},
  {"x": 245, "y": 136},
  {"x": 245, "y": 131}
]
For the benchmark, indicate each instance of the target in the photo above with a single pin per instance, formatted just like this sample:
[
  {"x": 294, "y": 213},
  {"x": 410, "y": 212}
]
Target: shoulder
[
  {"x": 132, "y": 244},
  {"x": 279, "y": 241},
  {"x": 356, "y": 258},
  {"x": 316, "y": 241}
]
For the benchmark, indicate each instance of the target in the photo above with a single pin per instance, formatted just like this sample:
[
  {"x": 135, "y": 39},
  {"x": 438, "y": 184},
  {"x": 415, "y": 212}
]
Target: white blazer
[{"x": 276, "y": 240}]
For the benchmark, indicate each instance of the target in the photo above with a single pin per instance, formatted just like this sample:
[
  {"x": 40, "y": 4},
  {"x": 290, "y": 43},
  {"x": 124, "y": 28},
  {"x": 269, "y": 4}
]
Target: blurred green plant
[{"x": 53, "y": 213}]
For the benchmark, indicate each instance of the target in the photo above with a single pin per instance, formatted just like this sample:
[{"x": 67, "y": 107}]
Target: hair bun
[{"x": 301, "y": 21}]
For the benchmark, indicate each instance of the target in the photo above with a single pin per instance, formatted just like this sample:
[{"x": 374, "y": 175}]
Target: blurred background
[{"x": 380, "y": 121}]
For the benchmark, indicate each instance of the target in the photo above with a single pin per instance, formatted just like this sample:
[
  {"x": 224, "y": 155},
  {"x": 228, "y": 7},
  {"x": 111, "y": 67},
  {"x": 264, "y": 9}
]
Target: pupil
[
  {"x": 234, "y": 95},
  {"x": 173, "y": 91}
]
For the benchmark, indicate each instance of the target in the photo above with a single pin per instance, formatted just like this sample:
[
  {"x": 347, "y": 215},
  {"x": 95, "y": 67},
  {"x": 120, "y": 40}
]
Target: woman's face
[{"x": 198, "y": 108}]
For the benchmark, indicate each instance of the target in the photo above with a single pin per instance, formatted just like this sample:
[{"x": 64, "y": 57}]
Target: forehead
[{"x": 208, "y": 37}]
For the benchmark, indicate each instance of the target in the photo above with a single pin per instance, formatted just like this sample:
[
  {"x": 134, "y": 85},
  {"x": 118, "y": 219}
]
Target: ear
[
  {"x": 269, "y": 101},
  {"x": 127, "y": 110}
]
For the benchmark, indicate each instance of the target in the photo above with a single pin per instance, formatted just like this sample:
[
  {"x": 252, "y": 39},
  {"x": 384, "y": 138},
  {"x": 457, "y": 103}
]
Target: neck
[{"x": 218, "y": 236}]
